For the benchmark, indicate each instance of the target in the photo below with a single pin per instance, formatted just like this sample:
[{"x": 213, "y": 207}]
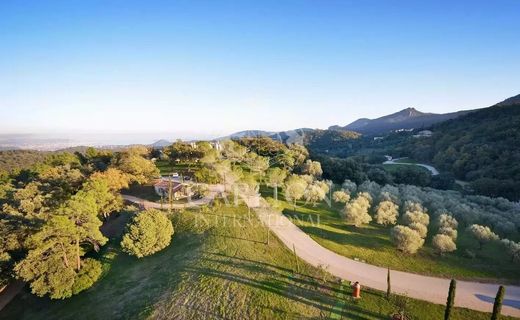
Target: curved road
[
  {"x": 472, "y": 295},
  {"x": 432, "y": 170}
]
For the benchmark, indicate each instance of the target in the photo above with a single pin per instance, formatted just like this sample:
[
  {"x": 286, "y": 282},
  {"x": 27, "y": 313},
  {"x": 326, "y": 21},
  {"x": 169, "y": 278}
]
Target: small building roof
[{"x": 165, "y": 184}]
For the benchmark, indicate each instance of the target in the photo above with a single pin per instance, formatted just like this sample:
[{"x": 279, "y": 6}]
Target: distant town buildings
[{"x": 423, "y": 134}]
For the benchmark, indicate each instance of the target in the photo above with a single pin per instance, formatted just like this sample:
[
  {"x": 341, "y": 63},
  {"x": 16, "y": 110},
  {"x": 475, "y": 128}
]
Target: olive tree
[
  {"x": 452, "y": 233},
  {"x": 443, "y": 243},
  {"x": 406, "y": 239},
  {"x": 312, "y": 168},
  {"x": 275, "y": 177},
  {"x": 149, "y": 232},
  {"x": 416, "y": 216},
  {"x": 387, "y": 212},
  {"x": 349, "y": 186},
  {"x": 314, "y": 193},
  {"x": 513, "y": 248},
  {"x": 482, "y": 234},
  {"x": 340, "y": 196},
  {"x": 447, "y": 221},
  {"x": 356, "y": 211},
  {"x": 294, "y": 189},
  {"x": 421, "y": 229}
]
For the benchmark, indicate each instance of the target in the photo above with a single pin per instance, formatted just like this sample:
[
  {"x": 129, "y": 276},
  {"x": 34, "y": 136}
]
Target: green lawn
[
  {"x": 167, "y": 168},
  {"x": 218, "y": 266},
  {"x": 405, "y": 160},
  {"x": 372, "y": 243},
  {"x": 396, "y": 167}
]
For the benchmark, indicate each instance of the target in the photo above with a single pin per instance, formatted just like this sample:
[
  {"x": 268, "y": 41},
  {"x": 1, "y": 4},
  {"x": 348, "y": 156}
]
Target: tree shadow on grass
[
  {"x": 270, "y": 270},
  {"x": 284, "y": 287},
  {"x": 357, "y": 238}
]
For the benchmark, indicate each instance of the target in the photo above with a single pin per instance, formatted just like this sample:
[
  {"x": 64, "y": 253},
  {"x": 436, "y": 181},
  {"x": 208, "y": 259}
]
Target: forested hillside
[
  {"x": 482, "y": 147},
  {"x": 19, "y": 159}
]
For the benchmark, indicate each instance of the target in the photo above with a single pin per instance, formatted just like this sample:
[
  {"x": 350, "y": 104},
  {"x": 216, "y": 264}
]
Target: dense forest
[
  {"x": 51, "y": 212},
  {"x": 12, "y": 160},
  {"x": 482, "y": 147}
]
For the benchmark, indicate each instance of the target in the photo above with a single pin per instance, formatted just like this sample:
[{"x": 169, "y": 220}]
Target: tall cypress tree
[
  {"x": 451, "y": 299},
  {"x": 388, "y": 285},
  {"x": 497, "y": 307}
]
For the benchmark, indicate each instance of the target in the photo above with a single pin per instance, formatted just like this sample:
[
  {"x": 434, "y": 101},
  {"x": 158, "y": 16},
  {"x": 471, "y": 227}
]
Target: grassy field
[
  {"x": 372, "y": 243},
  {"x": 167, "y": 168},
  {"x": 405, "y": 160},
  {"x": 218, "y": 266},
  {"x": 396, "y": 167}
]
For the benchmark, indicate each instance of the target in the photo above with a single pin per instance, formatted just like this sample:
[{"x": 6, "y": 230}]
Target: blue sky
[{"x": 207, "y": 68}]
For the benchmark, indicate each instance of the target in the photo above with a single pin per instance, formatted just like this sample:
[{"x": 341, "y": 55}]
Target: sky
[{"x": 198, "y": 69}]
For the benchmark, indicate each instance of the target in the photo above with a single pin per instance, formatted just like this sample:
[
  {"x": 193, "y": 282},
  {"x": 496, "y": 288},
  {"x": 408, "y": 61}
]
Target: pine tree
[
  {"x": 451, "y": 299},
  {"x": 497, "y": 307}
]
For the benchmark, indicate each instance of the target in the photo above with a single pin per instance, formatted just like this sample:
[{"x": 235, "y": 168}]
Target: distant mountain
[
  {"x": 161, "y": 143},
  {"x": 247, "y": 134},
  {"x": 409, "y": 118},
  {"x": 289, "y": 136}
]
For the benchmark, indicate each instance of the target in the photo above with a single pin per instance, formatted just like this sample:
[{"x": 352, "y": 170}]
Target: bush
[
  {"x": 407, "y": 239},
  {"x": 149, "y": 232}
]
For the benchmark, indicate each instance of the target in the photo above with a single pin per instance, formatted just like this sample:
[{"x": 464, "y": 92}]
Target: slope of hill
[
  {"x": 289, "y": 136},
  {"x": 13, "y": 160},
  {"x": 482, "y": 147},
  {"x": 408, "y": 118},
  {"x": 160, "y": 143},
  {"x": 247, "y": 134}
]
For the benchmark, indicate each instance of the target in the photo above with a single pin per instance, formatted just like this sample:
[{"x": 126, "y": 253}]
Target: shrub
[
  {"x": 407, "y": 239},
  {"x": 149, "y": 232}
]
